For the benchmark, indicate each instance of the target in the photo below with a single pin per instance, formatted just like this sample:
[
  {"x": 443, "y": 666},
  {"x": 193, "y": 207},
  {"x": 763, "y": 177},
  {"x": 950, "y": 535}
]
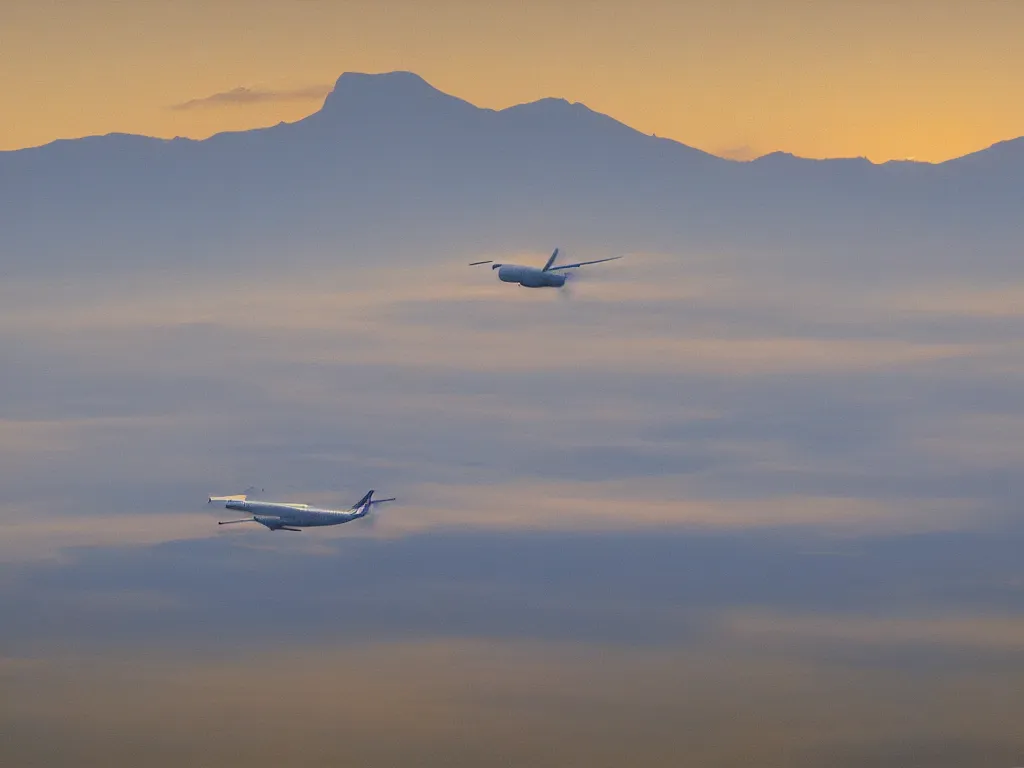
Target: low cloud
[
  {"x": 663, "y": 504},
  {"x": 981, "y": 633},
  {"x": 243, "y": 96},
  {"x": 33, "y": 536},
  {"x": 685, "y": 398},
  {"x": 960, "y": 301},
  {"x": 35, "y": 533},
  {"x": 463, "y": 701}
]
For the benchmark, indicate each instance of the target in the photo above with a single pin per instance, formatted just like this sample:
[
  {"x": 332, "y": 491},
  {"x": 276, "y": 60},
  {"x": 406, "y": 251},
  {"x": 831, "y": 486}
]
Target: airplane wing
[{"x": 582, "y": 264}]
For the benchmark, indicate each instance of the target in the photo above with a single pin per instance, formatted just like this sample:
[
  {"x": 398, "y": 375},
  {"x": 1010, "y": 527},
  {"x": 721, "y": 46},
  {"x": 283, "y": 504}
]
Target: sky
[
  {"x": 924, "y": 79},
  {"x": 749, "y": 495}
]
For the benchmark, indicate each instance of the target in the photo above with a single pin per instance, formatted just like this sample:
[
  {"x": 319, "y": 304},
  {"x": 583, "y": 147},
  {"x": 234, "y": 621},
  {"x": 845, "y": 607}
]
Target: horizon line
[{"x": 717, "y": 154}]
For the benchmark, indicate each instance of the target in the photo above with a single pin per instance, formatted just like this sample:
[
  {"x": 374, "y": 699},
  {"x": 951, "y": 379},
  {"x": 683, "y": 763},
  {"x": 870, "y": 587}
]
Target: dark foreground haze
[
  {"x": 520, "y": 648},
  {"x": 749, "y": 496}
]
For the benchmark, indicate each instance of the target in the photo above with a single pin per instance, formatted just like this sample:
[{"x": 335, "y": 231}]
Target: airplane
[
  {"x": 288, "y": 516},
  {"x": 532, "y": 277}
]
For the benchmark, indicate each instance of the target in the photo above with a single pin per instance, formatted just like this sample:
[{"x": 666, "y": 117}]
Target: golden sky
[{"x": 930, "y": 79}]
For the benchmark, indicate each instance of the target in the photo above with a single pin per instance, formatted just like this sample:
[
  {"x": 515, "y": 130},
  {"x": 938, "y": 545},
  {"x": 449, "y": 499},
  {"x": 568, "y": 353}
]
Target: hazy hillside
[{"x": 389, "y": 161}]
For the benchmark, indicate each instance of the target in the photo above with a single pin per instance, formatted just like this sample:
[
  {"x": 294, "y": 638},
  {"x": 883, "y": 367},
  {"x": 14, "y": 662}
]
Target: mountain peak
[
  {"x": 383, "y": 92},
  {"x": 395, "y": 79}
]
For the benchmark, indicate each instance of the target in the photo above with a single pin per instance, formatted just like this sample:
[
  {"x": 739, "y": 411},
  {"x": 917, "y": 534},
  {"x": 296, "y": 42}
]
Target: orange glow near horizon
[{"x": 924, "y": 79}]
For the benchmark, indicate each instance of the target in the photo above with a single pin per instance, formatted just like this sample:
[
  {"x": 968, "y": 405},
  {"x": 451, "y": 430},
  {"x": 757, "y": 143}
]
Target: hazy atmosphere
[{"x": 749, "y": 495}]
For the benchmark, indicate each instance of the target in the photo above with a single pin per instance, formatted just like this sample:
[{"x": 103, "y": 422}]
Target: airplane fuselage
[
  {"x": 275, "y": 515},
  {"x": 549, "y": 276},
  {"x": 289, "y": 516},
  {"x": 529, "y": 277}
]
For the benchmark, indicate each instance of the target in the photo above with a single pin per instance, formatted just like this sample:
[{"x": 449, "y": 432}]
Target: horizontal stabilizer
[
  {"x": 368, "y": 500},
  {"x": 236, "y": 497}
]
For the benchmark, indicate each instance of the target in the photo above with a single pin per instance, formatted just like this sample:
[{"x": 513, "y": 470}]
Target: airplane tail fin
[
  {"x": 364, "y": 502},
  {"x": 551, "y": 261}
]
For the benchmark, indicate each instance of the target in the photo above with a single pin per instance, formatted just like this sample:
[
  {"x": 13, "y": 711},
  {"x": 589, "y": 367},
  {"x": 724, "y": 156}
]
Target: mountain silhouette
[{"x": 388, "y": 156}]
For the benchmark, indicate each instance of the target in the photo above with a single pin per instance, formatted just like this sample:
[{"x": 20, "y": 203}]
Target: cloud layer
[
  {"x": 748, "y": 506},
  {"x": 244, "y": 96},
  {"x": 658, "y": 394},
  {"x": 457, "y": 702}
]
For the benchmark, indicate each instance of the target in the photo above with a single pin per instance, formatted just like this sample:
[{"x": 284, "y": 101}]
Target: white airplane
[
  {"x": 288, "y": 516},
  {"x": 549, "y": 276}
]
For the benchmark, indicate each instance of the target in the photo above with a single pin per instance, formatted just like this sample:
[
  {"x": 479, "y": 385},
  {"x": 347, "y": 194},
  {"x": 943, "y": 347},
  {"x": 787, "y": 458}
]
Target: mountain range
[{"x": 389, "y": 158}]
